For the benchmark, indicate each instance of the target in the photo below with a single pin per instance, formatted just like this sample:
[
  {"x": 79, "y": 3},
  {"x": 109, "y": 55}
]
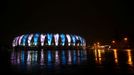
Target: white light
[
  {"x": 56, "y": 39},
  {"x": 68, "y": 39},
  {"x": 20, "y": 39},
  {"x": 42, "y": 39},
  {"x": 29, "y": 39},
  {"x": 16, "y": 42},
  {"x": 13, "y": 44}
]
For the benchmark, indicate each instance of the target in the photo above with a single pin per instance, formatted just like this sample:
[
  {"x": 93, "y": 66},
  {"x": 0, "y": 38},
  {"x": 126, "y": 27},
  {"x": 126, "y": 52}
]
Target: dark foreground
[{"x": 104, "y": 62}]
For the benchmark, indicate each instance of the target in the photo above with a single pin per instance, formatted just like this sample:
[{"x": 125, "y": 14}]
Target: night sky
[{"x": 92, "y": 19}]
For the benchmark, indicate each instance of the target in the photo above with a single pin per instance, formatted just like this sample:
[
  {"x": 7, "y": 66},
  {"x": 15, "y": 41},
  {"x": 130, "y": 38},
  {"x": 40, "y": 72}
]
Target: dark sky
[{"x": 92, "y": 19}]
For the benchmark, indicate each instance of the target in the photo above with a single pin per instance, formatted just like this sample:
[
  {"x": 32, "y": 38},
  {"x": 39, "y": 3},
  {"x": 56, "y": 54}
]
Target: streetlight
[
  {"x": 98, "y": 43},
  {"x": 125, "y": 38},
  {"x": 113, "y": 41},
  {"x": 126, "y": 43},
  {"x": 114, "y": 45}
]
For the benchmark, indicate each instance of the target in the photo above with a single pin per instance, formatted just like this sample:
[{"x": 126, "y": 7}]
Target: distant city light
[
  {"x": 113, "y": 41},
  {"x": 125, "y": 38},
  {"x": 98, "y": 43}
]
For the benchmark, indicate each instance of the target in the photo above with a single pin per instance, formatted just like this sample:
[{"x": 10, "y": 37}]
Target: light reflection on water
[
  {"x": 130, "y": 62},
  {"x": 54, "y": 58},
  {"x": 47, "y": 58},
  {"x": 115, "y": 56},
  {"x": 126, "y": 55},
  {"x": 99, "y": 55}
]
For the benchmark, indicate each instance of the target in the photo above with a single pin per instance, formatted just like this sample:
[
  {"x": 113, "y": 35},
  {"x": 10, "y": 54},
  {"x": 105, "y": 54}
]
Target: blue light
[
  {"x": 74, "y": 39},
  {"x": 74, "y": 57},
  {"x": 22, "y": 57},
  {"x": 81, "y": 55},
  {"x": 35, "y": 56},
  {"x": 81, "y": 41},
  {"x": 49, "y": 57},
  {"x": 49, "y": 38},
  {"x": 63, "y": 57},
  {"x": 36, "y": 39},
  {"x": 32, "y": 57},
  {"x": 24, "y": 40},
  {"x": 62, "y": 39}
]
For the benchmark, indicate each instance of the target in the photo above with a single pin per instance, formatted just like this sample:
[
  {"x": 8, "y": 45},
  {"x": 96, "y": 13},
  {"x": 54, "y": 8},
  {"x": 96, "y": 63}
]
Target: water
[{"x": 51, "y": 62}]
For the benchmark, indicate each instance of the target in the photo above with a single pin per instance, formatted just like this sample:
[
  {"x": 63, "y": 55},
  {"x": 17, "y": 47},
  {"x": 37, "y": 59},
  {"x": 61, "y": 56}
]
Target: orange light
[
  {"x": 99, "y": 56},
  {"x": 98, "y": 43},
  {"x": 130, "y": 62},
  {"x": 125, "y": 38},
  {"x": 115, "y": 56},
  {"x": 113, "y": 41}
]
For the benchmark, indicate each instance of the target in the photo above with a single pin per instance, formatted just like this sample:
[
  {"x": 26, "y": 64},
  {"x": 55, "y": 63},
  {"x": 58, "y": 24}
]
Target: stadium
[{"x": 49, "y": 40}]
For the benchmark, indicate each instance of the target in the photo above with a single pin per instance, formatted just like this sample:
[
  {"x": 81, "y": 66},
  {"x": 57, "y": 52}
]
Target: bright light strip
[
  {"x": 68, "y": 39},
  {"x": 42, "y": 39},
  {"x": 56, "y": 38}
]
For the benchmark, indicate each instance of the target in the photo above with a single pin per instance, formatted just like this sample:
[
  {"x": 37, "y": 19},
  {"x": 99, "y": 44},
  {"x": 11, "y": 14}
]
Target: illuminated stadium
[{"x": 49, "y": 40}]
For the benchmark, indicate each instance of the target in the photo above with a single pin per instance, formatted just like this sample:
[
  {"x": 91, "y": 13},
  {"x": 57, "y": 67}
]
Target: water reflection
[
  {"x": 69, "y": 57},
  {"x": 42, "y": 57},
  {"x": 99, "y": 55},
  {"x": 102, "y": 56},
  {"x": 130, "y": 62},
  {"x": 47, "y": 57},
  {"x": 57, "y": 58},
  {"x": 74, "y": 57},
  {"x": 63, "y": 58},
  {"x": 113, "y": 59},
  {"x": 115, "y": 56}
]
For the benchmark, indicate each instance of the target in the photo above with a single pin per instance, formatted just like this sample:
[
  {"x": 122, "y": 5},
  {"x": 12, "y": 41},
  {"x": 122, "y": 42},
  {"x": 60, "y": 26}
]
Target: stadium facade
[{"x": 48, "y": 40}]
